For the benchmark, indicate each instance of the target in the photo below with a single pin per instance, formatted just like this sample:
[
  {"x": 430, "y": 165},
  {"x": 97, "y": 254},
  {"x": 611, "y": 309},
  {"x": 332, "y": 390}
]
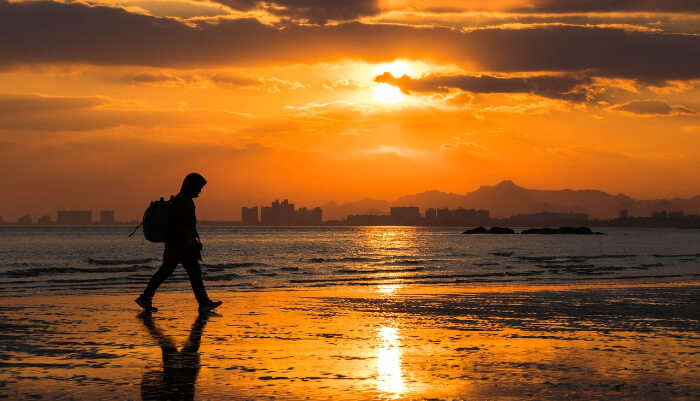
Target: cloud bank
[
  {"x": 47, "y": 32},
  {"x": 551, "y": 86}
]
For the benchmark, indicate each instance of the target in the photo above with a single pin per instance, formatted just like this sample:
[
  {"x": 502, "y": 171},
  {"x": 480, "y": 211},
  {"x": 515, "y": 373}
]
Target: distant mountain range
[{"x": 507, "y": 199}]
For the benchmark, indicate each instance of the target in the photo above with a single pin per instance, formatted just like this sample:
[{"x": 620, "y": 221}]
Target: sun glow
[
  {"x": 386, "y": 93},
  {"x": 398, "y": 69}
]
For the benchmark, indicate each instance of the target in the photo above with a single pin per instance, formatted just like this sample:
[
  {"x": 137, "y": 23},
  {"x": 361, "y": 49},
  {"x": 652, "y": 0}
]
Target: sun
[
  {"x": 384, "y": 92},
  {"x": 397, "y": 68}
]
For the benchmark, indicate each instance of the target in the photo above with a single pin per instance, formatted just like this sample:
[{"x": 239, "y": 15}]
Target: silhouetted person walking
[
  {"x": 176, "y": 381},
  {"x": 182, "y": 245}
]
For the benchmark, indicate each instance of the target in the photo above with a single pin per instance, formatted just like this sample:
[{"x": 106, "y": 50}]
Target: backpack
[{"x": 155, "y": 221}]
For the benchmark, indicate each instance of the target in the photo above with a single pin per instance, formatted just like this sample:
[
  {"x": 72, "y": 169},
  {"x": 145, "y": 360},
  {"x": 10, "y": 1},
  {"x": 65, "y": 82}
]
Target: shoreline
[
  {"x": 182, "y": 286},
  {"x": 627, "y": 342}
]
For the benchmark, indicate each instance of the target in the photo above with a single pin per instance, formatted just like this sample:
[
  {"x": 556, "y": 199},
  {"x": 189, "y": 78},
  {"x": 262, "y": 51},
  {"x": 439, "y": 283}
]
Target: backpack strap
[{"x": 135, "y": 229}]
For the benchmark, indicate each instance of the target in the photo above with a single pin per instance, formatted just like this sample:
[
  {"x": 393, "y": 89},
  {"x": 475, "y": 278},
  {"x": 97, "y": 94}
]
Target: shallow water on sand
[
  {"x": 385, "y": 342},
  {"x": 102, "y": 260}
]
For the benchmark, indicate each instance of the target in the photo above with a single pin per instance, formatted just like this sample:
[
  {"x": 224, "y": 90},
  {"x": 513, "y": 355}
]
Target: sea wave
[
  {"x": 346, "y": 259},
  {"x": 224, "y": 266},
  {"x": 111, "y": 262},
  {"x": 378, "y": 271},
  {"x": 42, "y": 271}
]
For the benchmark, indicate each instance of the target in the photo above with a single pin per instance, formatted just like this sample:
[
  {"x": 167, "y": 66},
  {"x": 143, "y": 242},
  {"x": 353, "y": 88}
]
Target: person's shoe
[
  {"x": 145, "y": 303},
  {"x": 209, "y": 306}
]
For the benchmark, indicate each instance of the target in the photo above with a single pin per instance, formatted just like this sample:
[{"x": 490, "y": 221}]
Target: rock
[
  {"x": 562, "y": 230},
  {"x": 501, "y": 230},
  {"x": 493, "y": 230}
]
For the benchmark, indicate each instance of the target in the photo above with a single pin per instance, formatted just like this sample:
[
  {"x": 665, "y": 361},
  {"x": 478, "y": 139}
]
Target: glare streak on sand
[{"x": 390, "y": 379}]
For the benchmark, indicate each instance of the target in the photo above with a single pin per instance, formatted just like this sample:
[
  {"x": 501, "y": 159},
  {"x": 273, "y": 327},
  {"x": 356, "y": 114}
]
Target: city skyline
[{"x": 489, "y": 205}]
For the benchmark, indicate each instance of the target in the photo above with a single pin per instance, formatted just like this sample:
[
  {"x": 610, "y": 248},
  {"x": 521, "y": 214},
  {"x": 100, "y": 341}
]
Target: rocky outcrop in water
[
  {"x": 562, "y": 230},
  {"x": 492, "y": 230}
]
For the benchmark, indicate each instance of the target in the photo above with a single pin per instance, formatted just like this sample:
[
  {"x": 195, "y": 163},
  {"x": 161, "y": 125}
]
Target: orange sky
[{"x": 107, "y": 104}]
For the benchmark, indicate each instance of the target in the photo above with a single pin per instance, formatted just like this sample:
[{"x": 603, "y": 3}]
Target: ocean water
[{"x": 99, "y": 260}]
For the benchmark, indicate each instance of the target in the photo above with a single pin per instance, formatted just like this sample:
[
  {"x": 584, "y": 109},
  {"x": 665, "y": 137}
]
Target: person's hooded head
[{"x": 192, "y": 185}]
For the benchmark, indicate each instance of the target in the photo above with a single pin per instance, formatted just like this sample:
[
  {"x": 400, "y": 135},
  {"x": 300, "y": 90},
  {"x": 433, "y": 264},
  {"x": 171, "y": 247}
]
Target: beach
[{"x": 539, "y": 342}]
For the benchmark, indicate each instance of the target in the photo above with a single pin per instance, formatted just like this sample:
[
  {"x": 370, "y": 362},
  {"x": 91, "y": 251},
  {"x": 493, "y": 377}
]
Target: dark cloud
[
  {"x": 152, "y": 78},
  {"x": 51, "y": 114},
  {"x": 577, "y": 6},
  {"x": 187, "y": 79},
  {"x": 46, "y": 32},
  {"x": 49, "y": 32},
  {"x": 11, "y": 104},
  {"x": 320, "y": 11},
  {"x": 229, "y": 79},
  {"x": 647, "y": 56},
  {"x": 314, "y": 11},
  {"x": 54, "y": 114},
  {"x": 651, "y": 108},
  {"x": 551, "y": 86}
]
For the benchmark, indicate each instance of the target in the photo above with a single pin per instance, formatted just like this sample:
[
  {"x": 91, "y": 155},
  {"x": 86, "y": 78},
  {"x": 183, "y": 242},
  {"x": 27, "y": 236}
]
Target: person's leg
[
  {"x": 195, "y": 338},
  {"x": 166, "y": 269},
  {"x": 194, "y": 271}
]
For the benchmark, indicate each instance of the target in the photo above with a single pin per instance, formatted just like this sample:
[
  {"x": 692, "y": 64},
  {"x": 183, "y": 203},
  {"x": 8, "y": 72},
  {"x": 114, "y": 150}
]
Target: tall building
[
  {"x": 74, "y": 217},
  {"x": 26, "y": 219},
  {"x": 460, "y": 217},
  {"x": 249, "y": 216},
  {"x": 660, "y": 215},
  {"x": 402, "y": 215},
  {"x": 283, "y": 214},
  {"x": 676, "y": 214},
  {"x": 309, "y": 217},
  {"x": 44, "y": 220},
  {"x": 278, "y": 214},
  {"x": 107, "y": 217}
]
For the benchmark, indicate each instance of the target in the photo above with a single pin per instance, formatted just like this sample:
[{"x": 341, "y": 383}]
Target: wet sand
[{"x": 621, "y": 342}]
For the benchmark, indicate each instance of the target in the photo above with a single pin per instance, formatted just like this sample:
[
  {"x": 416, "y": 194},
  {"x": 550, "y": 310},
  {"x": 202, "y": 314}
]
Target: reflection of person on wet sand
[{"x": 180, "y": 368}]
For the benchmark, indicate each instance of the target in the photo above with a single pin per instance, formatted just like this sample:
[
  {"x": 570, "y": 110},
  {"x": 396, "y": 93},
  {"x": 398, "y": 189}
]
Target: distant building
[
  {"x": 74, "y": 217},
  {"x": 676, "y": 214},
  {"x": 277, "y": 214},
  {"x": 107, "y": 217},
  {"x": 44, "y": 220},
  {"x": 410, "y": 215},
  {"x": 624, "y": 214},
  {"x": 26, "y": 219},
  {"x": 368, "y": 220},
  {"x": 405, "y": 215},
  {"x": 549, "y": 219},
  {"x": 660, "y": 215},
  {"x": 283, "y": 214},
  {"x": 311, "y": 217},
  {"x": 249, "y": 216},
  {"x": 460, "y": 217}
]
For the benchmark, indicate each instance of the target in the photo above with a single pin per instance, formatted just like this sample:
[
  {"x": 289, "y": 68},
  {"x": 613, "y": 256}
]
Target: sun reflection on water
[
  {"x": 389, "y": 376},
  {"x": 388, "y": 289}
]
